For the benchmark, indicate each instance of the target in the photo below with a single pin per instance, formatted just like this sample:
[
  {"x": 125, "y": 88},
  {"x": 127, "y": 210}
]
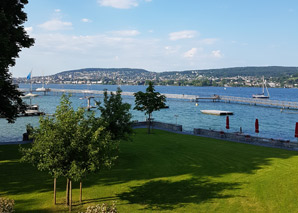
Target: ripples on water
[{"x": 273, "y": 123}]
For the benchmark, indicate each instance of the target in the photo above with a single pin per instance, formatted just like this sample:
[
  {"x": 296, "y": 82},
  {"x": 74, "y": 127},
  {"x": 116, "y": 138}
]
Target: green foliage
[
  {"x": 13, "y": 37},
  {"x": 103, "y": 208},
  {"x": 149, "y": 102},
  {"x": 70, "y": 144},
  {"x": 115, "y": 115},
  {"x": 6, "y": 205}
]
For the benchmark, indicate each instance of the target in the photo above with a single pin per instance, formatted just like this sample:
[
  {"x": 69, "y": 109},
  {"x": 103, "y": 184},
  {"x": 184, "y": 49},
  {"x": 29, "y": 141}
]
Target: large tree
[
  {"x": 70, "y": 144},
  {"x": 13, "y": 38},
  {"x": 149, "y": 102},
  {"x": 115, "y": 115}
]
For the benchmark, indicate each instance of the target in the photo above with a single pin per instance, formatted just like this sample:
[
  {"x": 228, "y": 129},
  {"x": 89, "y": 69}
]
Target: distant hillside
[
  {"x": 277, "y": 76},
  {"x": 270, "y": 71},
  {"x": 103, "y": 75},
  {"x": 103, "y": 70}
]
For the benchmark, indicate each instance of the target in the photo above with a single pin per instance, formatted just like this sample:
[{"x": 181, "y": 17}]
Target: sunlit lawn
[{"x": 167, "y": 172}]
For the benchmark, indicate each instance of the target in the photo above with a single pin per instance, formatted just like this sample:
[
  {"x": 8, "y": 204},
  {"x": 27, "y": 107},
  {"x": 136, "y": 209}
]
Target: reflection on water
[{"x": 273, "y": 123}]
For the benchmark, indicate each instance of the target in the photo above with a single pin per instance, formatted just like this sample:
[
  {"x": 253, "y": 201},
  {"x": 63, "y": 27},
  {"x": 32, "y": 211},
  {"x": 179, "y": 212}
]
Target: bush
[
  {"x": 103, "y": 208},
  {"x": 6, "y": 205}
]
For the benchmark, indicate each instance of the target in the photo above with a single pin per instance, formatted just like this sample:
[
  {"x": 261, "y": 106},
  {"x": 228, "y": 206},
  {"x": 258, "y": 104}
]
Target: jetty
[
  {"x": 172, "y": 96},
  {"x": 196, "y": 98},
  {"x": 260, "y": 102}
]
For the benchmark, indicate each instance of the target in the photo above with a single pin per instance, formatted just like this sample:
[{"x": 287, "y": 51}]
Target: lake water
[{"x": 273, "y": 123}]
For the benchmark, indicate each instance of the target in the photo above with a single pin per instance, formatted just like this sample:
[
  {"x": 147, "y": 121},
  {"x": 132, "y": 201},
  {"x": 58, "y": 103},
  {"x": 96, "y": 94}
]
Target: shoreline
[
  {"x": 15, "y": 143},
  {"x": 220, "y": 135}
]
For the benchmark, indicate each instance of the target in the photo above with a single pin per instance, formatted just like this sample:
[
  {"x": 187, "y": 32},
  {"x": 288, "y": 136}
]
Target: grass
[{"x": 167, "y": 172}]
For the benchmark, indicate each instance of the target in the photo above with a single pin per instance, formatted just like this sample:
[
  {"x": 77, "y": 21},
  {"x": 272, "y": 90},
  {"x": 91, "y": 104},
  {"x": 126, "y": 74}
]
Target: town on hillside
[{"x": 285, "y": 77}]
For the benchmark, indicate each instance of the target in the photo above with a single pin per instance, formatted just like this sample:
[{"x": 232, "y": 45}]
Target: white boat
[
  {"x": 42, "y": 89},
  {"x": 262, "y": 95},
  {"x": 216, "y": 112},
  {"x": 32, "y": 110},
  {"x": 29, "y": 95}
]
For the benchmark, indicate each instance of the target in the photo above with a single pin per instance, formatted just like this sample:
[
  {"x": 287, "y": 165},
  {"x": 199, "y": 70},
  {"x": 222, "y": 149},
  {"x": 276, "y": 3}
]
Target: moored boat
[
  {"x": 29, "y": 95},
  {"x": 42, "y": 89},
  {"x": 31, "y": 110},
  {"x": 262, "y": 95}
]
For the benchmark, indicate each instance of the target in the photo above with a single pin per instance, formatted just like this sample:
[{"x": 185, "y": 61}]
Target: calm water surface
[{"x": 273, "y": 123}]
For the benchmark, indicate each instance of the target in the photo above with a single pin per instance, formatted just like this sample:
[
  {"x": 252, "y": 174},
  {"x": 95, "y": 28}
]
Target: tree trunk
[
  {"x": 149, "y": 123},
  {"x": 81, "y": 191},
  {"x": 70, "y": 195},
  {"x": 67, "y": 192},
  {"x": 54, "y": 191}
]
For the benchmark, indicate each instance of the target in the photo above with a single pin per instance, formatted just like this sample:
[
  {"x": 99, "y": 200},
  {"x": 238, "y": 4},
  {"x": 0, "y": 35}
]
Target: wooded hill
[
  {"x": 270, "y": 71},
  {"x": 235, "y": 76}
]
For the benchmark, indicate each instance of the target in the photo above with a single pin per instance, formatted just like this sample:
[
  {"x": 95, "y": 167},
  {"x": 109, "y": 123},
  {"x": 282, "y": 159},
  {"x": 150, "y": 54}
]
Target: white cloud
[
  {"x": 29, "y": 29},
  {"x": 190, "y": 53},
  {"x": 126, "y": 33},
  {"x": 56, "y": 24},
  {"x": 86, "y": 20},
  {"x": 114, "y": 49},
  {"x": 170, "y": 50},
  {"x": 57, "y": 10},
  {"x": 217, "y": 54},
  {"x": 186, "y": 34},
  {"x": 57, "y": 42},
  {"x": 119, "y": 4},
  {"x": 209, "y": 41}
]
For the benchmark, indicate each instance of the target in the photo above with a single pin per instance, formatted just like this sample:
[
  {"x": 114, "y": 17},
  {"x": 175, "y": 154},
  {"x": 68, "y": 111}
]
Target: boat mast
[
  {"x": 267, "y": 89},
  {"x": 31, "y": 82},
  {"x": 31, "y": 88},
  {"x": 263, "y": 85}
]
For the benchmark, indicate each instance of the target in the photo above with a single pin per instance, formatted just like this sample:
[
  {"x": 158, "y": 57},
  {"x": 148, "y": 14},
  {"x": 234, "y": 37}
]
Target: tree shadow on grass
[
  {"x": 159, "y": 155},
  {"x": 95, "y": 200},
  {"x": 20, "y": 178},
  {"x": 167, "y": 195},
  {"x": 25, "y": 205}
]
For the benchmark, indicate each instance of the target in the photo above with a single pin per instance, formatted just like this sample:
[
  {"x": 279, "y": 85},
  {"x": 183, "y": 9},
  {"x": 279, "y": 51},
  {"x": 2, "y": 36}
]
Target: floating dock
[{"x": 216, "y": 112}]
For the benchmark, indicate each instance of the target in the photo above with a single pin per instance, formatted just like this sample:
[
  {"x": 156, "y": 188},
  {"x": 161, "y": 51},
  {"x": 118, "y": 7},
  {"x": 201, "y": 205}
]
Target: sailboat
[
  {"x": 30, "y": 94},
  {"x": 31, "y": 109},
  {"x": 262, "y": 95},
  {"x": 43, "y": 89}
]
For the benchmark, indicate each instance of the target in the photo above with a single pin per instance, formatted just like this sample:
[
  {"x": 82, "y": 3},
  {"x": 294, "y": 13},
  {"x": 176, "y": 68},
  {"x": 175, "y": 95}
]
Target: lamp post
[{"x": 176, "y": 118}]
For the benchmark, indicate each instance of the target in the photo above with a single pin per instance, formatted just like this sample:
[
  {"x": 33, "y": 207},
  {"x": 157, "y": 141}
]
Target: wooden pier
[{"x": 195, "y": 98}]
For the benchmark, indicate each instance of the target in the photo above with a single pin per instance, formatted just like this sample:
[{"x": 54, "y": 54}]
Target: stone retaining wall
[
  {"x": 161, "y": 125},
  {"x": 236, "y": 137},
  {"x": 240, "y": 137}
]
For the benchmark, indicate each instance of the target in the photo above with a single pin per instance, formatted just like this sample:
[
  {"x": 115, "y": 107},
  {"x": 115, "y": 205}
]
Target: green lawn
[{"x": 167, "y": 172}]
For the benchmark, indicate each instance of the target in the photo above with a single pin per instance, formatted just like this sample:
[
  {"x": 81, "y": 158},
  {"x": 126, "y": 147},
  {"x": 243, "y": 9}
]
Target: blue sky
[{"x": 158, "y": 35}]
